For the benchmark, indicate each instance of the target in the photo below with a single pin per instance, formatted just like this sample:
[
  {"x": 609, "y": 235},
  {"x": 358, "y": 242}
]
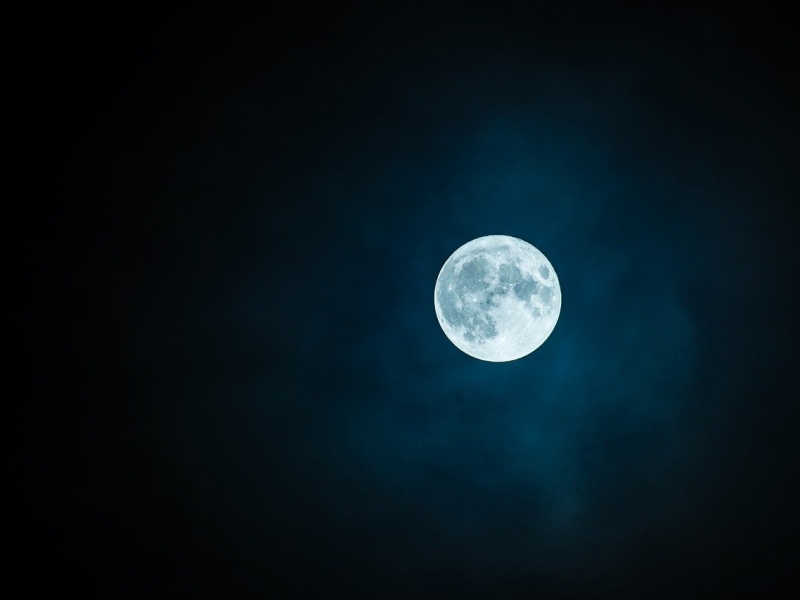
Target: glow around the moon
[{"x": 497, "y": 298}]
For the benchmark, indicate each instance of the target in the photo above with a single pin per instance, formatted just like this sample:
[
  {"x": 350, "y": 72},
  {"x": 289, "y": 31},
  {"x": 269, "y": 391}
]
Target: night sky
[{"x": 234, "y": 383}]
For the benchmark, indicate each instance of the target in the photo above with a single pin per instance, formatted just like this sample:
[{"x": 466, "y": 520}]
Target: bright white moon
[{"x": 497, "y": 298}]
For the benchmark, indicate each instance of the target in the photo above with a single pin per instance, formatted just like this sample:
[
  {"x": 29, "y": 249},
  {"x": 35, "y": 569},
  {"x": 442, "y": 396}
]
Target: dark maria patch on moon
[
  {"x": 546, "y": 294},
  {"x": 471, "y": 287},
  {"x": 509, "y": 273},
  {"x": 474, "y": 275},
  {"x": 525, "y": 288}
]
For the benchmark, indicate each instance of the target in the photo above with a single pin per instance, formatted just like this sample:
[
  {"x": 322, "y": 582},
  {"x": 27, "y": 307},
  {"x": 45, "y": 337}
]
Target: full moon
[{"x": 497, "y": 298}]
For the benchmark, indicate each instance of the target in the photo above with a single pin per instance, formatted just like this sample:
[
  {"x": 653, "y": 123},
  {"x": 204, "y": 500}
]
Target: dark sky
[{"x": 235, "y": 384}]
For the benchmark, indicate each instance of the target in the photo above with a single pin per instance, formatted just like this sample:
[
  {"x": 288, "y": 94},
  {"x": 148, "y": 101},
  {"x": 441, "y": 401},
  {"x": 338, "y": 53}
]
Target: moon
[{"x": 497, "y": 298}]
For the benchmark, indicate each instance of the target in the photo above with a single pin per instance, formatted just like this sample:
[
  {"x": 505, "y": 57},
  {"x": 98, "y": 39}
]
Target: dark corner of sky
[{"x": 237, "y": 383}]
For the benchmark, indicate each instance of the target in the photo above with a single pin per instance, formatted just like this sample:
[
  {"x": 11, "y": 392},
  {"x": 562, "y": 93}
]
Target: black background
[{"x": 233, "y": 378}]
